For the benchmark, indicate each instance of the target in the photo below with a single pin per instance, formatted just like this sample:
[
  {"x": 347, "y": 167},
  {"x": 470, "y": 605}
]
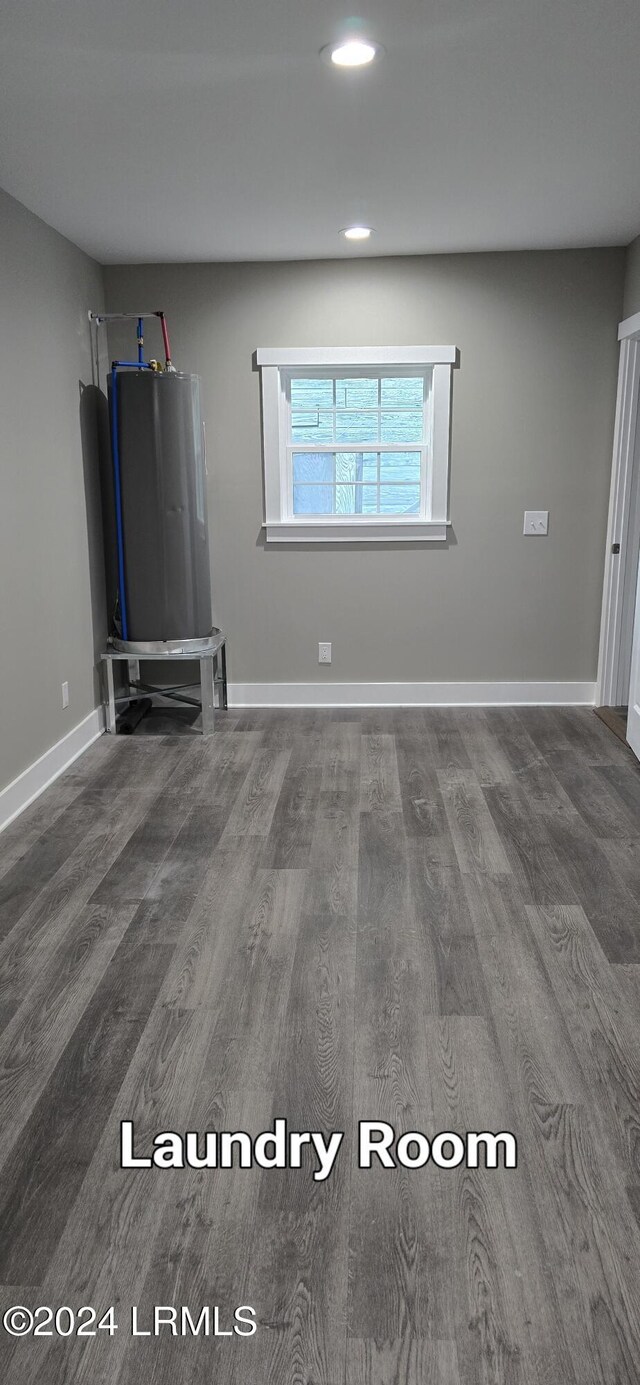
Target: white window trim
[{"x": 274, "y": 364}]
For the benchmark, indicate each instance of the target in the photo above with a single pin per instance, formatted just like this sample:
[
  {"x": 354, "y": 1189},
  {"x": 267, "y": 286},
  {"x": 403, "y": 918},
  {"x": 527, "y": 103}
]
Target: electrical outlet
[
  {"x": 536, "y": 522},
  {"x": 65, "y": 694},
  {"x": 324, "y": 653}
]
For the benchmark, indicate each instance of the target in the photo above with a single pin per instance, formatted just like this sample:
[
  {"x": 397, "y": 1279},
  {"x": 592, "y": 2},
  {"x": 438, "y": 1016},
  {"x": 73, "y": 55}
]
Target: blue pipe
[
  {"x": 117, "y": 489},
  {"x": 130, "y": 365},
  {"x": 140, "y": 341}
]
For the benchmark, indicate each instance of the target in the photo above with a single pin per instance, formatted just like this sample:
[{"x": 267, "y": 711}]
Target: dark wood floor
[{"x": 427, "y": 917}]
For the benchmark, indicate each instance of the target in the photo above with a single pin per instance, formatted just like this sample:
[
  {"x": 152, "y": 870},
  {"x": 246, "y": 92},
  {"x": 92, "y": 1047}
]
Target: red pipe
[{"x": 165, "y": 338}]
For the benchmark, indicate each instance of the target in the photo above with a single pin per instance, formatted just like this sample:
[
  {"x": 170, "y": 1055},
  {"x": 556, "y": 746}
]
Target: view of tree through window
[{"x": 356, "y": 444}]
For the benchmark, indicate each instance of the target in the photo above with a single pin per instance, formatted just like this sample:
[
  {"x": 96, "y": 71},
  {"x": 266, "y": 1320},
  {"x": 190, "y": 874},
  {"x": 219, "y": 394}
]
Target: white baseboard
[
  {"x": 411, "y": 694},
  {"x": 37, "y": 777}
]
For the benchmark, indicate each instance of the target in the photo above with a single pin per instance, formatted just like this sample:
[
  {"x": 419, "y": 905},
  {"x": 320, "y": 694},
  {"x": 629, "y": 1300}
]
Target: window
[{"x": 356, "y": 443}]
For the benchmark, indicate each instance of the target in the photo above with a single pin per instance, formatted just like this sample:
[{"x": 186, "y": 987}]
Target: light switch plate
[{"x": 536, "y": 522}]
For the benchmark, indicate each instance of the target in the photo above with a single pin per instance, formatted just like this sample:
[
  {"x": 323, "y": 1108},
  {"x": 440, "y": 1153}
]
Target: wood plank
[
  {"x": 136, "y": 764},
  {"x": 378, "y": 721},
  {"x": 577, "y": 731},
  {"x": 24, "y": 880},
  {"x": 57, "y": 909},
  {"x": 623, "y": 856},
  {"x": 166, "y": 906},
  {"x": 415, "y": 1361},
  {"x": 527, "y": 1018},
  {"x": 509, "y": 728},
  {"x": 587, "y": 736},
  {"x": 628, "y": 980},
  {"x": 451, "y": 965},
  {"x": 544, "y": 793},
  {"x": 204, "y": 1254},
  {"x": 611, "y": 909},
  {"x": 593, "y": 1246},
  {"x": 507, "y": 1313},
  {"x": 22, "y": 834},
  {"x": 43, "y": 1175},
  {"x": 449, "y": 750},
  {"x": 211, "y": 767},
  {"x": 134, "y": 870},
  {"x": 399, "y": 1221},
  {"x": 624, "y": 781},
  {"x": 340, "y": 759},
  {"x": 477, "y": 844},
  {"x": 288, "y": 843},
  {"x": 535, "y": 865},
  {"x": 208, "y": 939},
  {"x": 299, "y": 1269},
  {"x": 333, "y": 860},
  {"x": 41, "y": 1028},
  {"x": 30, "y": 1295},
  {"x": 109, "y": 1240},
  {"x": 605, "y": 812},
  {"x": 383, "y": 894},
  {"x": 579, "y": 1199},
  {"x": 255, "y": 805},
  {"x": 545, "y": 729},
  {"x": 252, "y": 1006},
  {"x": 281, "y": 727},
  {"x": 489, "y": 761},
  {"x": 379, "y": 782},
  {"x": 422, "y": 805},
  {"x": 605, "y": 1031}
]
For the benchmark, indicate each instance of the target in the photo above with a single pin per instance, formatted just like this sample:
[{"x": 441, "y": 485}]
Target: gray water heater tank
[{"x": 164, "y": 506}]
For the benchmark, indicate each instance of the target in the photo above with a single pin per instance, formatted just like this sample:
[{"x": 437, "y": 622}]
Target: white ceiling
[{"x": 197, "y": 129}]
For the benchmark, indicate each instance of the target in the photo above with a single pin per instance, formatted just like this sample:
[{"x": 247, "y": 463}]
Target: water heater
[
  {"x": 160, "y": 451},
  {"x": 160, "y": 534}
]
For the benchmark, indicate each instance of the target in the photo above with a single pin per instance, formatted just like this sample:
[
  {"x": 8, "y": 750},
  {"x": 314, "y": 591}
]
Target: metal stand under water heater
[{"x": 163, "y": 603}]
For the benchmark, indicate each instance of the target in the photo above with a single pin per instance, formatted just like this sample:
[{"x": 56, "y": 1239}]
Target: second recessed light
[
  {"x": 352, "y": 52},
  {"x": 357, "y": 232}
]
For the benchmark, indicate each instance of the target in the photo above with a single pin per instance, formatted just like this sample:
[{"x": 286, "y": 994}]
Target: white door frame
[{"x": 623, "y": 528}]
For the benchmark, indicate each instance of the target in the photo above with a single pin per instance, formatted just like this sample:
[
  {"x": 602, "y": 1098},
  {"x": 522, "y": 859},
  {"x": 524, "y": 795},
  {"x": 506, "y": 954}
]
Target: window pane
[
  {"x": 342, "y": 483},
  {"x": 311, "y": 425},
  {"x": 406, "y": 427},
  {"x": 402, "y": 391},
  {"x": 346, "y": 502},
  {"x": 357, "y": 427},
  {"x": 313, "y": 500},
  {"x": 400, "y": 466},
  {"x": 313, "y": 466},
  {"x": 356, "y": 393},
  {"x": 399, "y": 500},
  {"x": 311, "y": 394},
  {"x": 347, "y": 466},
  {"x": 358, "y": 466},
  {"x": 356, "y": 500}
]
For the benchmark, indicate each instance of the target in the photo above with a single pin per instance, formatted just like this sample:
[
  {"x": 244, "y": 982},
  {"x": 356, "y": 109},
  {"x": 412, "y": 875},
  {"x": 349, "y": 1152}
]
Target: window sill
[{"x": 345, "y": 531}]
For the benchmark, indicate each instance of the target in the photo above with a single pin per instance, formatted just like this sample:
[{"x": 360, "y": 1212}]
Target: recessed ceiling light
[
  {"x": 357, "y": 232},
  {"x": 352, "y": 52}
]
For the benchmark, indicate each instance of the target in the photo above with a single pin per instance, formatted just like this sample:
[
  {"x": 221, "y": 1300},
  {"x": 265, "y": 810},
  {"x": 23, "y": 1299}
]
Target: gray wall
[
  {"x": 632, "y": 279},
  {"x": 52, "y": 599},
  {"x": 532, "y": 426}
]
